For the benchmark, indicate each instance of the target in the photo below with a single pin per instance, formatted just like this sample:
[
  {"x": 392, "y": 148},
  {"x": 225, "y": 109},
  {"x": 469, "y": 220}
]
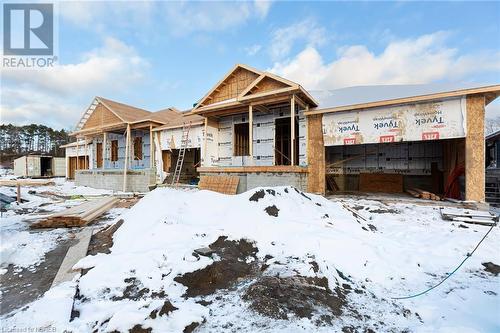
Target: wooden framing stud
[
  {"x": 250, "y": 130},
  {"x": 292, "y": 129}
]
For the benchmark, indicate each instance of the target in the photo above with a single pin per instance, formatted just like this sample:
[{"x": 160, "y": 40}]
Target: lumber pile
[
  {"x": 469, "y": 216},
  {"x": 26, "y": 182},
  {"x": 78, "y": 216},
  {"x": 221, "y": 184},
  {"x": 418, "y": 193}
]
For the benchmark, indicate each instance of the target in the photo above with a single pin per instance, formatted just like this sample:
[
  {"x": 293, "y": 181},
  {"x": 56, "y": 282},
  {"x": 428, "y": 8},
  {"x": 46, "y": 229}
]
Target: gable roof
[
  {"x": 280, "y": 85},
  {"x": 125, "y": 112}
]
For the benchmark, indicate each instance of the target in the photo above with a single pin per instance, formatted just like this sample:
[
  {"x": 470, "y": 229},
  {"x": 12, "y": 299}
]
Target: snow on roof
[{"x": 366, "y": 94}]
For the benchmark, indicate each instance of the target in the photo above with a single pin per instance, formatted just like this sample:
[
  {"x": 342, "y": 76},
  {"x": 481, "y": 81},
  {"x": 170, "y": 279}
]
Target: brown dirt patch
[
  {"x": 277, "y": 297},
  {"x": 223, "y": 273},
  {"x": 102, "y": 241},
  {"x": 491, "y": 268},
  {"x": 272, "y": 210}
]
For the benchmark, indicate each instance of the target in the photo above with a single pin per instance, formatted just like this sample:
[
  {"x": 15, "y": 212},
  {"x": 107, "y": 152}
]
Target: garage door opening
[{"x": 434, "y": 166}]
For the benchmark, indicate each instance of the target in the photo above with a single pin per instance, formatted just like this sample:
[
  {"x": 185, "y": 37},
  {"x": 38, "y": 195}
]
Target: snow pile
[
  {"x": 23, "y": 248},
  {"x": 186, "y": 260}
]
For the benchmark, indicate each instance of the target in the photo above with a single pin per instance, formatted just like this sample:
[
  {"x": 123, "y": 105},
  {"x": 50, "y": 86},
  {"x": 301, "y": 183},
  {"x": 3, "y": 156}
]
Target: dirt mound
[
  {"x": 491, "y": 268},
  {"x": 277, "y": 297},
  {"x": 102, "y": 241},
  {"x": 222, "y": 274}
]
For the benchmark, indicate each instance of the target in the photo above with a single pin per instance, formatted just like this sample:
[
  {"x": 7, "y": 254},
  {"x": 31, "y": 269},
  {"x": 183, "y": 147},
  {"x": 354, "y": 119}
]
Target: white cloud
[
  {"x": 112, "y": 67},
  {"x": 178, "y": 18},
  {"x": 58, "y": 96},
  {"x": 262, "y": 7},
  {"x": 23, "y": 105},
  {"x": 253, "y": 50},
  {"x": 183, "y": 17},
  {"x": 284, "y": 39},
  {"x": 421, "y": 60},
  {"x": 96, "y": 14}
]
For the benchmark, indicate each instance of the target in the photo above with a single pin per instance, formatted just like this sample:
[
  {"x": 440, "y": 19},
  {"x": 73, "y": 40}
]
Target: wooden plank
[
  {"x": 247, "y": 169},
  {"x": 292, "y": 129},
  {"x": 381, "y": 182},
  {"x": 79, "y": 215},
  {"x": 25, "y": 182}
]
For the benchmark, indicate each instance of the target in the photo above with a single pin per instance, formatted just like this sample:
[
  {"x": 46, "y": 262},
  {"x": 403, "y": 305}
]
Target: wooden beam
[
  {"x": 299, "y": 101},
  {"x": 474, "y": 149},
  {"x": 125, "y": 163},
  {"x": 251, "y": 169},
  {"x": 315, "y": 155},
  {"x": 151, "y": 147},
  {"x": 104, "y": 150},
  {"x": 250, "y": 130},
  {"x": 261, "y": 108},
  {"x": 85, "y": 162},
  {"x": 292, "y": 129},
  {"x": 77, "y": 154}
]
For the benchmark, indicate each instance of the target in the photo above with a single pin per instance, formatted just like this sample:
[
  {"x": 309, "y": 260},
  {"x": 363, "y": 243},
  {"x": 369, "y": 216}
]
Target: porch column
[
  {"x": 125, "y": 162},
  {"x": 315, "y": 154},
  {"x": 77, "y": 153},
  {"x": 85, "y": 163},
  {"x": 474, "y": 149},
  {"x": 151, "y": 148},
  {"x": 104, "y": 145},
  {"x": 250, "y": 131},
  {"x": 292, "y": 130}
]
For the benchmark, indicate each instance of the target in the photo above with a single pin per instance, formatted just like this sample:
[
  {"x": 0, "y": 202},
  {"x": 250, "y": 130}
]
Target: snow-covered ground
[
  {"x": 345, "y": 269},
  {"x": 26, "y": 248}
]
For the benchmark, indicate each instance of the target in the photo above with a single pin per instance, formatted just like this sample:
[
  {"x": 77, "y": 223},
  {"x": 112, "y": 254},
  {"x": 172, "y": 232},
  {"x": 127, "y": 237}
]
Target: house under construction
[{"x": 265, "y": 130}]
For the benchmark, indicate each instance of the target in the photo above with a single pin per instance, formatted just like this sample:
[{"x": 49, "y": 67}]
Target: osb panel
[
  {"x": 381, "y": 182},
  {"x": 474, "y": 149},
  {"x": 232, "y": 86},
  {"x": 315, "y": 154},
  {"x": 267, "y": 84},
  {"x": 101, "y": 116},
  {"x": 221, "y": 184}
]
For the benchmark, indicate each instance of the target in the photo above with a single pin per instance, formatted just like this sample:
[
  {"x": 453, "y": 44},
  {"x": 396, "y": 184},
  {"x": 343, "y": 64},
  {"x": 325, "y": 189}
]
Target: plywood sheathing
[
  {"x": 100, "y": 117},
  {"x": 232, "y": 86},
  {"x": 315, "y": 154},
  {"x": 474, "y": 149},
  {"x": 381, "y": 182},
  {"x": 267, "y": 84},
  {"x": 221, "y": 184}
]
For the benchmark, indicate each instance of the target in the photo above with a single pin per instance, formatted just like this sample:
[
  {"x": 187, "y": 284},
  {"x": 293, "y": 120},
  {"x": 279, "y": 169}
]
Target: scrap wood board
[
  {"x": 221, "y": 184},
  {"x": 381, "y": 182},
  {"x": 469, "y": 216},
  {"x": 78, "y": 216},
  {"x": 25, "y": 182}
]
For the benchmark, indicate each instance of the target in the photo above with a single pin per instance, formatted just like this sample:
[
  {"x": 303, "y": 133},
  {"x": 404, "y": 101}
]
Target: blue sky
[{"x": 159, "y": 54}]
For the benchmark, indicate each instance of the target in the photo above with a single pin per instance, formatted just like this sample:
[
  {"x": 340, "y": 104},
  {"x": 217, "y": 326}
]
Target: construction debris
[
  {"x": 418, "y": 193},
  {"x": 78, "y": 216},
  {"x": 26, "y": 182},
  {"x": 469, "y": 216}
]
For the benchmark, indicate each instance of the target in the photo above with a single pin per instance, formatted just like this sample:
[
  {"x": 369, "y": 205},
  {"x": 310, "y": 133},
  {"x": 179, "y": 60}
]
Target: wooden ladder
[{"x": 182, "y": 153}]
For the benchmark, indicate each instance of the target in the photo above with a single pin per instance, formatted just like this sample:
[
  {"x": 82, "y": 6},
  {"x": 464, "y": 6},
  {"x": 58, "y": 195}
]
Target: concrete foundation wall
[
  {"x": 137, "y": 181},
  {"x": 252, "y": 180}
]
